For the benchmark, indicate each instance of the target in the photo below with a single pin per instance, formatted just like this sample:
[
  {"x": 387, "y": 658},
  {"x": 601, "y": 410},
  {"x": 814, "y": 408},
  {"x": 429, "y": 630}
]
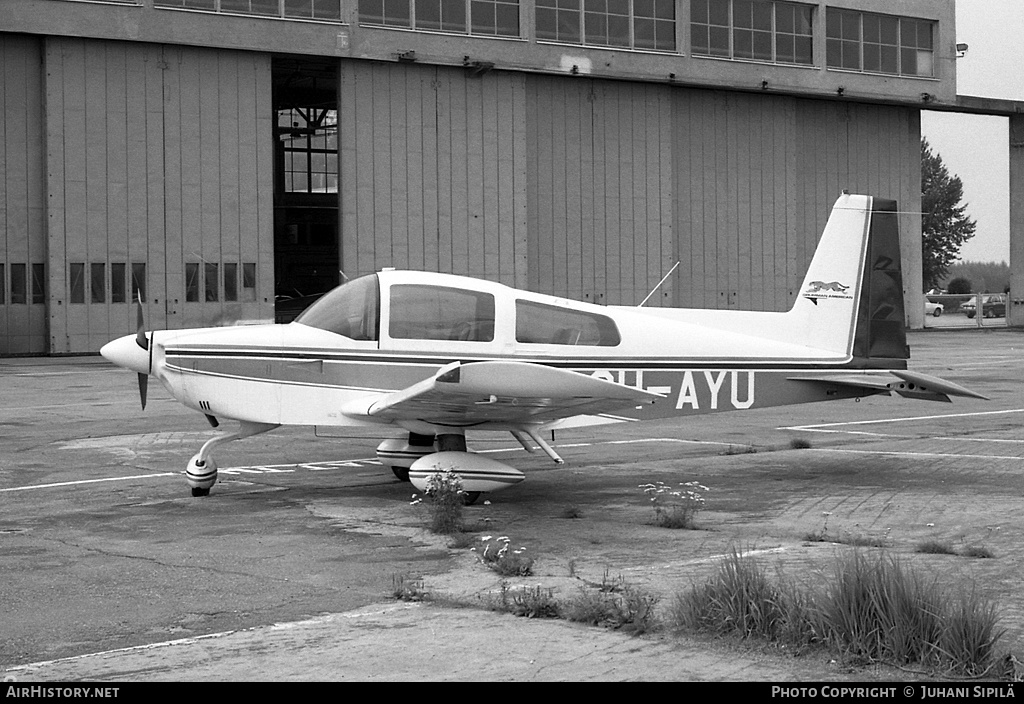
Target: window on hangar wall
[
  {"x": 23, "y": 290},
  {"x": 309, "y": 142},
  {"x": 872, "y": 43},
  {"x": 775, "y": 32},
  {"x": 292, "y": 9},
  {"x": 499, "y": 18},
  {"x": 626, "y": 24}
]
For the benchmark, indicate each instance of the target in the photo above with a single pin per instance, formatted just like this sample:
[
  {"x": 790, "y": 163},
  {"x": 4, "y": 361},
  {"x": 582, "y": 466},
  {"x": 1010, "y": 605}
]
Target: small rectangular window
[
  {"x": 38, "y": 283},
  {"x": 495, "y": 17},
  {"x": 192, "y": 283},
  {"x": 187, "y": 4},
  {"x": 138, "y": 281},
  {"x": 98, "y": 282},
  {"x": 76, "y": 282},
  {"x": 230, "y": 282},
  {"x": 558, "y": 20},
  {"x": 392, "y": 13},
  {"x": 211, "y": 282},
  {"x": 248, "y": 282},
  {"x": 18, "y": 284},
  {"x": 117, "y": 279},
  {"x": 313, "y": 9},
  {"x": 3, "y": 286}
]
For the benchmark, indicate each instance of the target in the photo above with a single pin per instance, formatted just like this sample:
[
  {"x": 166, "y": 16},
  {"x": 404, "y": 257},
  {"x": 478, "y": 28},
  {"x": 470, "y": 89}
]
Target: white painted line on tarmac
[
  {"x": 825, "y": 427},
  {"x": 89, "y": 481},
  {"x": 329, "y": 465}
]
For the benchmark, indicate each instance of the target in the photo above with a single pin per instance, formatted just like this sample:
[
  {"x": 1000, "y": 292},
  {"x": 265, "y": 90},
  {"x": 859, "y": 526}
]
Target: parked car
[
  {"x": 933, "y": 309},
  {"x": 993, "y": 305}
]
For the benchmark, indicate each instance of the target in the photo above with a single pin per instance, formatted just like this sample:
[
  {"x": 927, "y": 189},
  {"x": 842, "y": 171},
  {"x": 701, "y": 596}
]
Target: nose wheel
[
  {"x": 201, "y": 472},
  {"x": 201, "y": 475}
]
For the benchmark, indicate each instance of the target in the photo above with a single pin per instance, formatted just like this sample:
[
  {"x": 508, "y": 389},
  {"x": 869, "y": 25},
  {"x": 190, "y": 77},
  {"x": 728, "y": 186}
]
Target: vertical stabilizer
[
  {"x": 825, "y": 311},
  {"x": 851, "y": 301},
  {"x": 881, "y": 319}
]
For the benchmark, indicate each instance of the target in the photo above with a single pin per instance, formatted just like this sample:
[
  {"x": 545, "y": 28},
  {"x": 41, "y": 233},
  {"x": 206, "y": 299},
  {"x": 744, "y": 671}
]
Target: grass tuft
[
  {"x": 406, "y": 588},
  {"x": 936, "y": 547},
  {"x": 873, "y": 609}
]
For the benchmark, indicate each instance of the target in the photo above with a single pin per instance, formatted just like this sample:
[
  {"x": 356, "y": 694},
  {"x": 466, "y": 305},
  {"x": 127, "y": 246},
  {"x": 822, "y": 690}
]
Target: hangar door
[
  {"x": 306, "y": 245},
  {"x": 160, "y": 182}
]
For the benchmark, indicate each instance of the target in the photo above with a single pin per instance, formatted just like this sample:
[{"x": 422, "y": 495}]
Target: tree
[
  {"x": 960, "y": 285},
  {"x": 944, "y": 226}
]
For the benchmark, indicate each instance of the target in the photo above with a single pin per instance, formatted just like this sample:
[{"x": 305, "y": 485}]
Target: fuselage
[{"x": 388, "y": 331}]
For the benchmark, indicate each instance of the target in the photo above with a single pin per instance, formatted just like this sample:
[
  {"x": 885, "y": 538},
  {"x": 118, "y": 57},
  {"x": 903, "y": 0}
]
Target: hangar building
[{"x": 217, "y": 155}]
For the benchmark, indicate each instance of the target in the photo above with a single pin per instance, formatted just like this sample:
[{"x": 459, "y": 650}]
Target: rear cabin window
[
  {"x": 440, "y": 313},
  {"x": 552, "y": 325}
]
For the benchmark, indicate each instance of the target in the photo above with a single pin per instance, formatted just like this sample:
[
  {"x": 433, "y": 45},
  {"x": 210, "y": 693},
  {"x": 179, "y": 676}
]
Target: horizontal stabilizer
[
  {"x": 906, "y": 384},
  {"x": 936, "y": 384}
]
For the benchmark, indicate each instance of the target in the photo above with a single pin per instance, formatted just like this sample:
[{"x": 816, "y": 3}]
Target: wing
[
  {"x": 907, "y": 383},
  {"x": 474, "y": 393}
]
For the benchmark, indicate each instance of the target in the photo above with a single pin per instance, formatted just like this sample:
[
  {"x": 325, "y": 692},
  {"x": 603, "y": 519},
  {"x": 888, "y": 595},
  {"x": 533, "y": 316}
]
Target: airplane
[{"x": 436, "y": 355}]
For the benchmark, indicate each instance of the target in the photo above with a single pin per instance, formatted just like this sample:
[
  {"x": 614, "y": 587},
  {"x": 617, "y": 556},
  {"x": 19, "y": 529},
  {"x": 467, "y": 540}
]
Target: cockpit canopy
[
  {"x": 352, "y": 310},
  {"x": 436, "y": 311}
]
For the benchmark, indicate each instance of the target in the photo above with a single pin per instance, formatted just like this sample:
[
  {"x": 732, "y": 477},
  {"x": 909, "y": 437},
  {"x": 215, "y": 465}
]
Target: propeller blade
[
  {"x": 144, "y": 342},
  {"x": 140, "y": 326}
]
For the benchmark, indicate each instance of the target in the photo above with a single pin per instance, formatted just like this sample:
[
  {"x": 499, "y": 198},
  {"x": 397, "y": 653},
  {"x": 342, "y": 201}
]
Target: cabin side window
[
  {"x": 440, "y": 313},
  {"x": 538, "y": 323}
]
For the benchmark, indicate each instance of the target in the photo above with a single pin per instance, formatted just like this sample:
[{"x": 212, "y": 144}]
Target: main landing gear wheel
[
  {"x": 402, "y": 473},
  {"x": 469, "y": 498}
]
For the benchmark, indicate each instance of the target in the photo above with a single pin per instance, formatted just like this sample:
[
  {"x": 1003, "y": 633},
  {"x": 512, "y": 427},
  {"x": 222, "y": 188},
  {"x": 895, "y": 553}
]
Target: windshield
[{"x": 351, "y": 310}]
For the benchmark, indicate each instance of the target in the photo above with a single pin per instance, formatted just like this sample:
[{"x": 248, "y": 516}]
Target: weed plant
[
  {"x": 446, "y": 499},
  {"x": 530, "y": 602},
  {"x": 676, "y": 508},
  {"x": 405, "y": 588},
  {"x": 629, "y": 608},
  {"x": 497, "y": 554}
]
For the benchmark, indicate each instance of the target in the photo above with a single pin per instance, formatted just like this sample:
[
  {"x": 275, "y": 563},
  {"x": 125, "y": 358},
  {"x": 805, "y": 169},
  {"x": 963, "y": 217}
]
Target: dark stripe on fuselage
[{"x": 588, "y": 363}]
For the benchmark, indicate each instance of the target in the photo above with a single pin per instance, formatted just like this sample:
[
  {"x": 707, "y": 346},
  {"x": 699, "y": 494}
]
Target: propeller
[{"x": 142, "y": 341}]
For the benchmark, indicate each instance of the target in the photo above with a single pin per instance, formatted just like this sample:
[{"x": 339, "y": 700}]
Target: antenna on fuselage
[{"x": 663, "y": 279}]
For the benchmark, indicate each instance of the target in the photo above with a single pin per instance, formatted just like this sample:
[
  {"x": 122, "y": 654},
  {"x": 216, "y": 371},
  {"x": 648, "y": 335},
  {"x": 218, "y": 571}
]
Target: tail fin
[{"x": 851, "y": 301}]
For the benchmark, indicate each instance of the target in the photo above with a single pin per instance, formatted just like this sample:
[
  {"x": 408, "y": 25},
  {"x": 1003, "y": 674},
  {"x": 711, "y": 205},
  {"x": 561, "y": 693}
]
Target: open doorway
[{"x": 306, "y": 237}]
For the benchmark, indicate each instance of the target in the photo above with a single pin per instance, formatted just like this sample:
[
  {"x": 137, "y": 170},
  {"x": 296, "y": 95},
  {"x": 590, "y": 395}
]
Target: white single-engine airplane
[{"x": 436, "y": 355}]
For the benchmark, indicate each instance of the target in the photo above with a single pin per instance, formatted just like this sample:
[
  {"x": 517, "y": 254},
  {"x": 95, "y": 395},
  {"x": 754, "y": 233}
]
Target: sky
[{"x": 975, "y": 147}]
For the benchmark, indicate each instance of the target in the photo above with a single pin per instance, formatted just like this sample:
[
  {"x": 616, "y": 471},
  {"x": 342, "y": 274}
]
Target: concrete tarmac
[{"x": 113, "y": 572}]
